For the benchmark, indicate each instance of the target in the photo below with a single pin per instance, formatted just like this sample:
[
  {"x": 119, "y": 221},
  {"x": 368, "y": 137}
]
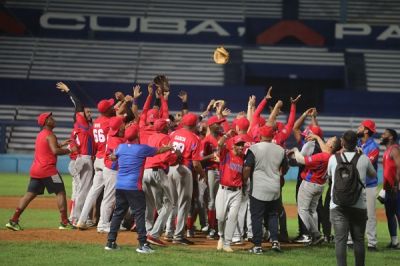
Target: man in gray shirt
[
  {"x": 350, "y": 218},
  {"x": 265, "y": 162}
]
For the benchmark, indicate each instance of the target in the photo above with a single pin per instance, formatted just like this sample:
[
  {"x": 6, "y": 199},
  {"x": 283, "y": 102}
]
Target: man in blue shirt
[{"x": 129, "y": 194}]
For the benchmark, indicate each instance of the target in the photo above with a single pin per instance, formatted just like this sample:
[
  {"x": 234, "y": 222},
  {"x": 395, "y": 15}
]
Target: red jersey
[
  {"x": 208, "y": 146},
  {"x": 282, "y": 135},
  {"x": 74, "y": 154},
  {"x": 44, "y": 160},
  {"x": 231, "y": 169},
  {"x": 188, "y": 144},
  {"x": 112, "y": 144},
  {"x": 100, "y": 131},
  {"x": 84, "y": 136},
  {"x": 315, "y": 168},
  {"x": 144, "y": 133},
  {"x": 246, "y": 137},
  {"x": 163, "y": 160},
  {"x": 389, "y": 167}
]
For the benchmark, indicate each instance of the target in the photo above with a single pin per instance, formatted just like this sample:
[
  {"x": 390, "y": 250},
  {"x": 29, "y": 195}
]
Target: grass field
[{"x": 48, "y": 253}]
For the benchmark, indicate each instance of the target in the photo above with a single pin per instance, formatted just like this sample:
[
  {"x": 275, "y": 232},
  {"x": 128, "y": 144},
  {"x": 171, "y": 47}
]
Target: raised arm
[
  {"x": 274, "y": 113},
  {"x": 251, "y": 104},
  {"x": 75, "y": 100},
  {"x": 299, "y": 122},
  {"x": 262, "y": 104},
  {"x": 146, "y": 106},
  {"x": 184, "y": 97}
]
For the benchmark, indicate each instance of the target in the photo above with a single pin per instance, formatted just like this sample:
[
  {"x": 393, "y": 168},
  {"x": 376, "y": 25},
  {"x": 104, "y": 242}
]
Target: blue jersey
[
  {"x": 131, "y": 159},
  {"x": 371, "y": 149}
]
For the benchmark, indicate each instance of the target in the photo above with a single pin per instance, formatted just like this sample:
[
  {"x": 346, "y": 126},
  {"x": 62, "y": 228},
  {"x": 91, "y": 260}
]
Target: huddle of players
[{"x": 207, "y": 151}]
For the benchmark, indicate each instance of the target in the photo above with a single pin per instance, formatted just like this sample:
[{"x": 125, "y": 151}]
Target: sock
[
  {"x": 189, "y": 223},
  {"x": 395, "y": 241},
  {"x": 211, "y": 219},
  {"x": 64, "y": 217},
  {"x": 16, "y": 215}
]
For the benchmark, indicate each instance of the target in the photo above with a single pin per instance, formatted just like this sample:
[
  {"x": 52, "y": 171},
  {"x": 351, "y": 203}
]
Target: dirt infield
[
  {"x": 50, "y": 203},
  {"x": 124, "y": 238}
]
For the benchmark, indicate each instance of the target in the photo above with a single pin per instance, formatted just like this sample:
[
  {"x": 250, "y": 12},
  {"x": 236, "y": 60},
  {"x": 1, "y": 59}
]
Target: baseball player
[
  {"x": 114, "y": 138},
  {"x": 44, "y": 173},
  {"x": 208, "y": 150},
  {"x": 100, "y": 131},
  {"x": 229, "y": 195},
  {"x": 181, "y": 177},
  {"x": 129, "y": 194},
  {"x": 85, "y": 140},
  {"x": 155, "y": 183}
]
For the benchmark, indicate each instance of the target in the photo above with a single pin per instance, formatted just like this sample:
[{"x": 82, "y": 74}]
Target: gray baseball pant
[{"x": 108, "y": 202}]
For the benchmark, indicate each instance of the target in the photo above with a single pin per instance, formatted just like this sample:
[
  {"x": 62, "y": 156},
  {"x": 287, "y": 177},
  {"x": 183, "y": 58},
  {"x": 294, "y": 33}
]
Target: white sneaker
[
  {"x": 145, "y": 249},
  {"x": 204, "y": 229}
]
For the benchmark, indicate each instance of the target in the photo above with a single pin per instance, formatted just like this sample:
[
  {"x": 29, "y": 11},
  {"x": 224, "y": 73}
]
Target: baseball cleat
[
  {"x": 220, "y": 244},
  {"x": 13, "y": 226},
  {"x": 256, "y": 250},
  {"x": 82, "y": 226},
  {"x": 111, "y": 245},
  {"x": 67, "y": 226},
  {"x": 155, "y": 241},
  {"x": 302, "y": 239},
  {"x": 276, "y": 246},
  {"x": 212, "y": 234},
  {"x": 183, "y": 241},
  {"x": 227, "y": 249},
  {"x": 145, "y": 249}
]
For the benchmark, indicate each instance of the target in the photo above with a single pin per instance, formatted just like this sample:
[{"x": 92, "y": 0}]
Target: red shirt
[
  {"x": 44, "y": 160},
  {"x": 389, "y": 167},
  {"x": 209, "y": 145},
  {"x": 144, "y": 133},
  {"x": 163, "y": 160},
  {"x": 231, "y": 169},
  {"x": 112, "y": 144},
  {"x": 282, "y": 135},
  {"x": 188, "y": 144},
  {"x": 315, "y": 168},
  {"x": 100, "y": 131},
  {"x": 246, "y": 137},
  {"x": 84, "y": 136}
]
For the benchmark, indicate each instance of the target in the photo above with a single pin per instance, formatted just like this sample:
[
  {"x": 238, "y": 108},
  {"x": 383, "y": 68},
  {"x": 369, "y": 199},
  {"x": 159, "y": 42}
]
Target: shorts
[{"x": 53, "y": 184}]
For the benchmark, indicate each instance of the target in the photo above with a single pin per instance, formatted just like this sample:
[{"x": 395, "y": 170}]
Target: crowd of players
[{"x": 204, "y": 166}]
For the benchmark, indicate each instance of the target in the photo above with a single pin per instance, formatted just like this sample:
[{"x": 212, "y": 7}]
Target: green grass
[{"x": 48, "y": 253}]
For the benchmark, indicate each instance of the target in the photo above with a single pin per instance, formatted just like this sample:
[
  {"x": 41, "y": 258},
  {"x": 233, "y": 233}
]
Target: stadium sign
[
  {"x": 388, "y": 32},
  {"x": 131, "y": 24}
]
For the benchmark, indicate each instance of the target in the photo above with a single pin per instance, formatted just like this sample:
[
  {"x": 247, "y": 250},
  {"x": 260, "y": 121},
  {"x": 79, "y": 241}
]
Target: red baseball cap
[
  {"x": 215, "y": 120},
  {"x": 104, "y": 105},
  {"x": 131, "y": 132},
  {"x": 189, "y": 119},
  {"x": 160, "y": 124},
  {"x": 242, "y": 123},
  {"x": 370, "y": 124},
  {"x": 152, "y": 115},
  {"x": 115, "y": 124},
  {"x": 316, "y": 130},
  {"x": 41, "y": 120},
  {"x": 238, "y": 139},
  {"x": 266, "y": 131}
]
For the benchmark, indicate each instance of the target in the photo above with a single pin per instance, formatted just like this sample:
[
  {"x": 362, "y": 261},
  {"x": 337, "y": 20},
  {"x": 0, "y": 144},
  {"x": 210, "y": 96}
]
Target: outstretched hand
[
  {"x": 183, "y": 96},
  {"x": 137, "y": 92},
  {"x": 294, "y": 101},
  {"x": 62, "y": 87},
  {"x": 269, "y": 96}
]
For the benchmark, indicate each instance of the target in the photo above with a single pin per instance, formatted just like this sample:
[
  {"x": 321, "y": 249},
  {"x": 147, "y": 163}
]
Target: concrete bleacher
[
  {"x": 234, "y": 10},
  {"x": 356, "y": 11},
  {"x": 292, "y": 56},
  {"x": 84, "y": 60}
]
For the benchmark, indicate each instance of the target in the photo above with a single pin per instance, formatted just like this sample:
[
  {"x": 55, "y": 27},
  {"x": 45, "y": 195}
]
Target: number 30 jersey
[
  {"x": 100, "y": 131},
  {"x": 188, "y": 144}
]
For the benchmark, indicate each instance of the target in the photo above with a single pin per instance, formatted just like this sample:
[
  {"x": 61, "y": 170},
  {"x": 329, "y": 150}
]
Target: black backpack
[{"x": 347, "y": 187}]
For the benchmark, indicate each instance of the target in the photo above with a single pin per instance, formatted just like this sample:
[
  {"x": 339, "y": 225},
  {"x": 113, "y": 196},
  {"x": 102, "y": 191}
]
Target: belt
[
  {"x": 231, "y": 188},
  {"x": 155, "y": 169}
]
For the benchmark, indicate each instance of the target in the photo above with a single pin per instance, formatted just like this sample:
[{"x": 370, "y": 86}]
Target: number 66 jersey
[
  {"x": 188, "y": 144},
  {"x": 101, "y": 127}
]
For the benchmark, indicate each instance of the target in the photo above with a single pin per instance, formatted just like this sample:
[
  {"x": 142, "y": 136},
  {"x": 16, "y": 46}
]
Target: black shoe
[
  {"x": 317, "y": 240},
  {"x": 183, "y": 241},
  {"x": 328, "y": 239},
  {"x": 302, "y": 239},
  {"x": 111, "y": 245},
  {"x": 284, "y": 238},
  {"x": 256, "y": 250},
  {"x": 392, "y": 246},
  {"x": 276, "y": 246},
  {"x": 372, "y": 248}
]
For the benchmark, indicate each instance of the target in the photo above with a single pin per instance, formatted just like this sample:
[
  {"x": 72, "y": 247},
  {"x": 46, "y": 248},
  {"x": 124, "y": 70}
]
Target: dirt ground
[{"x": 91, "y": 236}]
